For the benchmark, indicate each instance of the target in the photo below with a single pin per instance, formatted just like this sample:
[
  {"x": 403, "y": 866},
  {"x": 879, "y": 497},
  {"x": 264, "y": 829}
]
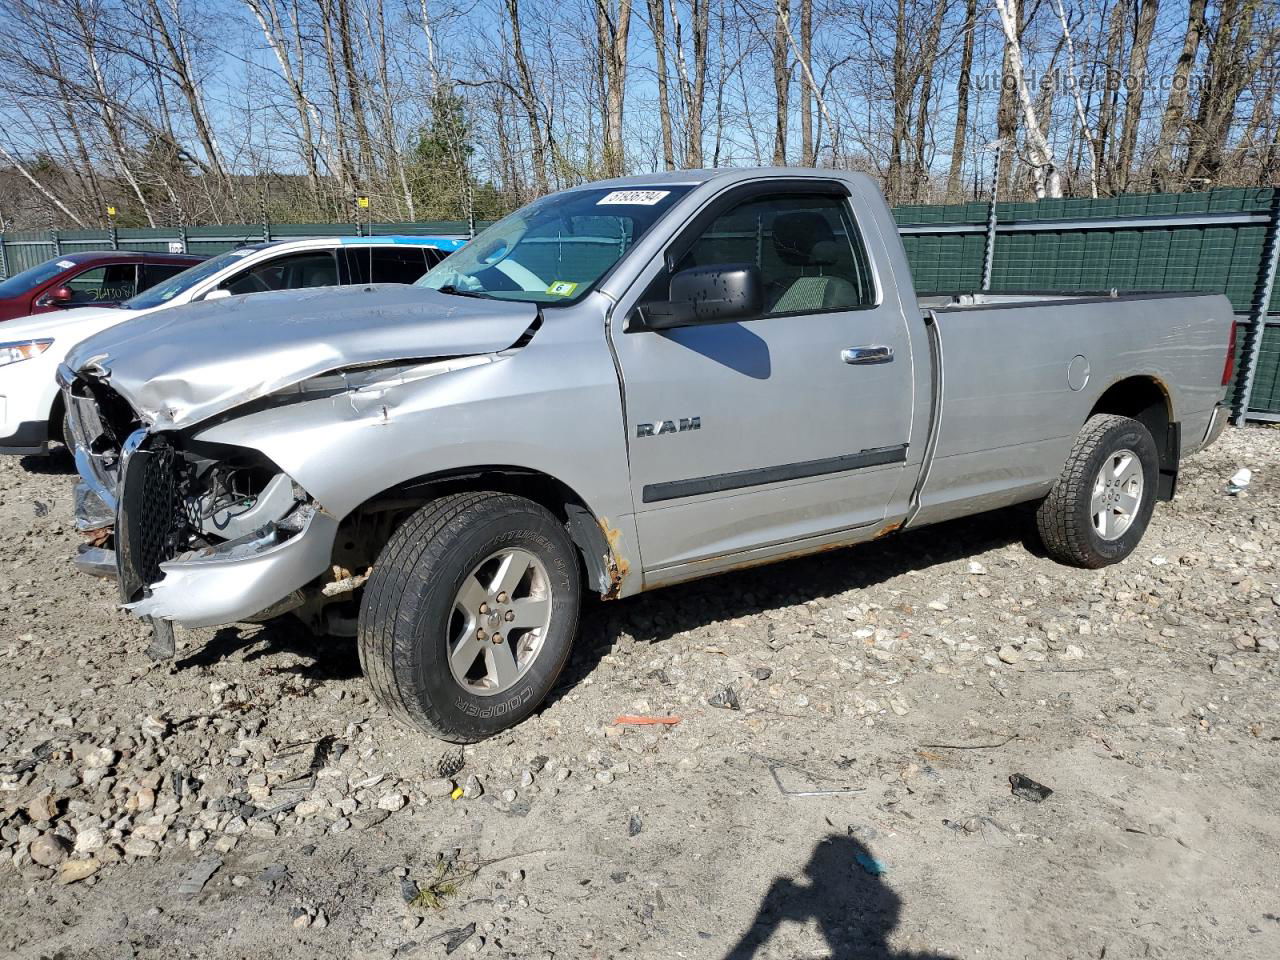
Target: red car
[{"x": 98, "y": 279}]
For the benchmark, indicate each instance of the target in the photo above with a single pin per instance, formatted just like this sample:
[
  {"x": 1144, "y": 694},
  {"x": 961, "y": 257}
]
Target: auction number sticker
[
  {"x": 66, "y": 264},
  {"x": 562, "y": 288},
  {"x": 638, "y": 198}
]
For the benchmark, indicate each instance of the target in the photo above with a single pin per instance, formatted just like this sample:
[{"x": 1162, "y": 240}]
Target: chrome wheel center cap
[{"x": 494, "y": 619}]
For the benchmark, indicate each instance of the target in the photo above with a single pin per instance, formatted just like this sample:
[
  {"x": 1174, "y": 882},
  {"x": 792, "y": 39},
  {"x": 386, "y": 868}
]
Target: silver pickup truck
[{"x": 621, "y": 386}]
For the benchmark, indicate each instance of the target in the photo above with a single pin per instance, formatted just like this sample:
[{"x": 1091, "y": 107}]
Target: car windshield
[
  {"x": 555, "y": 249},
  {"x": 29, "y": 279},
  {"x": 166, "y": 290}
]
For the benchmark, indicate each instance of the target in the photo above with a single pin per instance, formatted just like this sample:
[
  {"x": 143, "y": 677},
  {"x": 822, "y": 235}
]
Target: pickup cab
[{"x": 621, "y": 386}]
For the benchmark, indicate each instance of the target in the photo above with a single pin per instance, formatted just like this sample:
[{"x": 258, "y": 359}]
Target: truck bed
[{"x": 1014, "y": 393}]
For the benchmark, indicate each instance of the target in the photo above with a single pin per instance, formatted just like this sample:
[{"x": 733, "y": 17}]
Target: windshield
[
  {"x": 29, "y": 279},
  {"x": 166, "y": 290},
  {"x": 555, "y": 249}
]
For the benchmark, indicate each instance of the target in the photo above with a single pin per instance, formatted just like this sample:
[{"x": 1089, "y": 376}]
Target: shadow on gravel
[
  {"x": 57, "y": 463},
  {"x": 853, "y": 907},
  {"x": 656, "y": 617},
  {"x": 328, "y": 658}
]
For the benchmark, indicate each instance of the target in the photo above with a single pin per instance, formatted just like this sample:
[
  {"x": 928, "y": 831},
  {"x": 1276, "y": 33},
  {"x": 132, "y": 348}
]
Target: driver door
[{"x": 755, "y": 438}]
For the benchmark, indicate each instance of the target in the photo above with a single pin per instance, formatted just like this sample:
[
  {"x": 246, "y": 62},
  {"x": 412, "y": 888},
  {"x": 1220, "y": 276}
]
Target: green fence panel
[
  {"x": 945, "y": 262},
  {"x": 1062, "y": 254},
  {"x": 1266, "y": 387}
]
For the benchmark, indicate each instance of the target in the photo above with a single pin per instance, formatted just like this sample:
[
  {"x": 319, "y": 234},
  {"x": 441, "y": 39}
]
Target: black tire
[
  {"x": 66, "y": 433},
  {"x": 409, "y": 602},
  {"x": 1064, "y": 520}
]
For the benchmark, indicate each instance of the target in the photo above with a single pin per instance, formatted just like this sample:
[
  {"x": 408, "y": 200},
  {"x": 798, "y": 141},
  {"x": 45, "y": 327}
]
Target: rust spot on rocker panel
[
  {"x": 615, "y": 563},
  {"x": 891, "y": 528}
]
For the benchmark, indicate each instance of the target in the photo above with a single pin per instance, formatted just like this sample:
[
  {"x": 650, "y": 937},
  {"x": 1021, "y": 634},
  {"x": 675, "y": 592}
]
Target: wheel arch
[
  {"x": 597, "y": 542},
  {"x": 1146, "y": 398},
  {"x": 55, "y": 418}
]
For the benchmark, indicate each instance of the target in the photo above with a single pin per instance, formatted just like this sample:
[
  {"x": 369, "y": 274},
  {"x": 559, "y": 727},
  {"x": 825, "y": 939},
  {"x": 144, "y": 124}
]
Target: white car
[{"x": 31, "y": 348}]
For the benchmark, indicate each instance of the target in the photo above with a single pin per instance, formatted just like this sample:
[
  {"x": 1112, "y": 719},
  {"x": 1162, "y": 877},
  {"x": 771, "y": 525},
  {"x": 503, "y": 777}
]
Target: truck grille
[{"x": 153, "y": 525}]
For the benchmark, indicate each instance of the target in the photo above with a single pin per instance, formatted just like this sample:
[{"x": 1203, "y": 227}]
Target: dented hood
[{"x": 182, "y": 366}]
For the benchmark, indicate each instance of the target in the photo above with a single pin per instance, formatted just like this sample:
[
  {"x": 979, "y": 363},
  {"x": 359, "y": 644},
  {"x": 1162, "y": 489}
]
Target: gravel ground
[{"x": 250, "y": 801}]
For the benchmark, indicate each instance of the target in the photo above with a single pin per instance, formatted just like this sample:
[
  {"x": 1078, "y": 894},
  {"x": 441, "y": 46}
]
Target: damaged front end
[
  {"x": 195, "y": 534},
  {"x": 216, "y": 470}
]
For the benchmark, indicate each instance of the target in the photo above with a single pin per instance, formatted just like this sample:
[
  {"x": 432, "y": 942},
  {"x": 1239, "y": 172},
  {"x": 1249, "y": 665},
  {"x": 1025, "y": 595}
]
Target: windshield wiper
[{"x": 450, "y": 289}]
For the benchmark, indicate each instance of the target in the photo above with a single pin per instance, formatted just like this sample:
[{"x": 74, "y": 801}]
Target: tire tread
[
  {"x": 1061, "y": 536},
  {"x": 415, "y": 549}
]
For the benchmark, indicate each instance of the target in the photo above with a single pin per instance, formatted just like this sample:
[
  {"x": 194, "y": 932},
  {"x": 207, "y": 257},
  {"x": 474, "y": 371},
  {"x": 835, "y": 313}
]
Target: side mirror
[
  {"x": 59, "y": 296},
  {"x": 218, "y": 293},
  {"x": 722, "y": 293}
]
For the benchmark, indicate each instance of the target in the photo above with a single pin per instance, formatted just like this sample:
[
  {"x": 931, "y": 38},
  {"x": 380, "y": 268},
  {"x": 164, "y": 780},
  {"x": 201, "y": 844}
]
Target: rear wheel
[
  {"x": 469, "y": 614},
  {"x": 1100, "y": 506}
]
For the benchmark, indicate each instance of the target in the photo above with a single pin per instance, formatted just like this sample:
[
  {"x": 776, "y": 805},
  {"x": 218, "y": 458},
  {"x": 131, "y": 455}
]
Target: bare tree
[
  {"x": 613, "y": 26},
  {"x": 1044, "y": 167},
  {"x": 528, "y": 97},
  {"x": 1174, "y": 118},
  {"x": 658, "y": 28},
  {"x": 956, "y": 171},
  {"x": 1144, "y": 27},
  {"x": 781, "y": 80}
]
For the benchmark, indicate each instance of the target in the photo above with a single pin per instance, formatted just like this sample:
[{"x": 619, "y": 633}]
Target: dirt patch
[{"x": 249, "y": 800}]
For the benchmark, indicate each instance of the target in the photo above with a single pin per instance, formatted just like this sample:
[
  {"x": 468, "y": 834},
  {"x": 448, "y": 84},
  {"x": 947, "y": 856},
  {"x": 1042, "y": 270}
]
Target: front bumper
[
  {"x": 28, "y": 396},
  {"x": 241, "y": 578},
  {"x": 30, "y": 438},
  {"x": 126, "y": 497}
]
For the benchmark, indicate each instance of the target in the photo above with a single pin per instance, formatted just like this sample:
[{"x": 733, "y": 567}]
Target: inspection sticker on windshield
[
  {"x": 639, "y": 198},
  {"x": 562, "y": 288}
]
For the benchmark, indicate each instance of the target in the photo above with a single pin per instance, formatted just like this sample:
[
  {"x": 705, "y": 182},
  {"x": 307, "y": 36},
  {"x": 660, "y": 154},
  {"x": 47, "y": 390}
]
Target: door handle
[{"x": 862, "y": 355}]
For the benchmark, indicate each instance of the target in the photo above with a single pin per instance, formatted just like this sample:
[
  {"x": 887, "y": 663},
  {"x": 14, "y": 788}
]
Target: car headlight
[{"x": 22, "y": 350}]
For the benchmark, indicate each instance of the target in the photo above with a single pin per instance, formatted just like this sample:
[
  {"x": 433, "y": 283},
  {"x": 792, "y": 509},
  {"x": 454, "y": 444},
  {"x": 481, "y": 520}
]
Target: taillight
[{"x": 1231, "y": 356}]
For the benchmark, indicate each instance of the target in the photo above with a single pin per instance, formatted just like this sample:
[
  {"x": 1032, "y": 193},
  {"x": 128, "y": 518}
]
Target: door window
[
  {"x": 807, "y": 248},
  {"x": 403, "y": 264},
  {"x": 293, "y": 272},
  {"x": 153, "y": 273},
  {"x": 109, "y": 284}
]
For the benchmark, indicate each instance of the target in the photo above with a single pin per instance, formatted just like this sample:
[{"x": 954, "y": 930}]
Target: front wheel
[
  {"x": 1102, "y": 501},
  {"x": 469, "y": 614}
]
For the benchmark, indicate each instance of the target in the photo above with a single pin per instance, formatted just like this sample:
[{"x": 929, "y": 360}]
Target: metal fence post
[
  {"x": 4, "y": 254},
  {"x": 1257, "y": 328},
  {"x": 989, "y": 252},
  {"x": 53, "y": 235}
]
